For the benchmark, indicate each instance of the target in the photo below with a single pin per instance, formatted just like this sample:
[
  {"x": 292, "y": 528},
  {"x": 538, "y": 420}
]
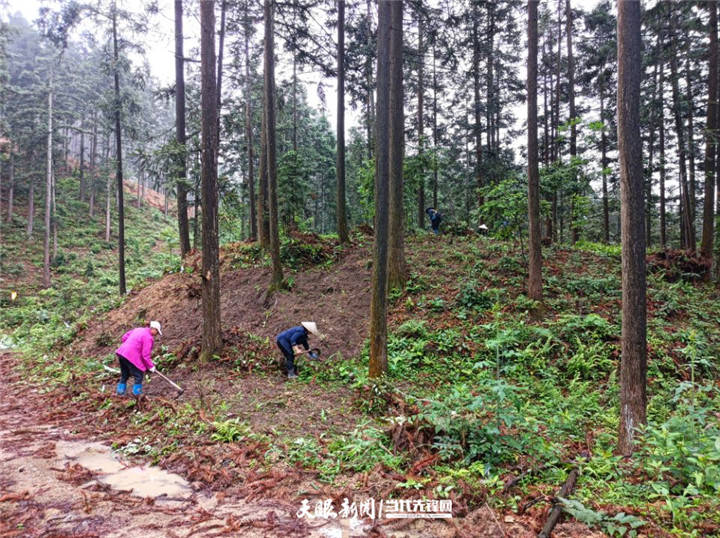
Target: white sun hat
[
  {"x": 156, "y": 325},
  {"x": 311, "y": 326}
]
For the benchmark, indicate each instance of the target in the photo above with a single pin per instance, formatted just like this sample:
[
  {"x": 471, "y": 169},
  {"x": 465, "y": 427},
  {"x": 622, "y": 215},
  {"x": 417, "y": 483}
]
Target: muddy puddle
[{"x": 142, "y": 480}]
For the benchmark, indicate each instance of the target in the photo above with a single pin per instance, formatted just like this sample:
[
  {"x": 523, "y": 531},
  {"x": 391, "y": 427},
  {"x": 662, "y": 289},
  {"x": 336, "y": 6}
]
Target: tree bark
[
  {"x": 604, "y": 162},
  {"x": 341, "y": 217},
  {"x": 691, "y": 150},
  {"x": 82, "y": 159},
  {"x": 687, "y": 235},
  {"x": 651, "y": 170},
  {"x": 558, "y": 67},
  {"x": 711, "y": 132},
  {"x": 435, "y": 134},
  {"x": 534, "y": 245},
  {"x": 262, "y": 202},
  {"x": 378, "y": 305},
  {"x": 92, "y": 171},
  {"x": 248, "y": 128},
  {"x": 11, "y": 187},
  {"x": 181, "y": 184},
  {"x": 277, "y": 275},
  {"x": 397, "y": 267},
  {"x": 476, "y": 89},
  {"x": 108, "y": 190},
  {"x": 48, "y": 190},
  {"x": 31, "y": 206},
  {"x": 218, "y": 92},
  {"x": 212, "y": 338},
  {"x": 420, "y": 118},
  {"x": 633, "y": 363},
  {"x": 663, "y": 221},
  {"x": 369, "y": 82},
  {"x": 489, "y": 82},
  {"x": 118, "y": 158},
  {"x": 575, "y": 231}
]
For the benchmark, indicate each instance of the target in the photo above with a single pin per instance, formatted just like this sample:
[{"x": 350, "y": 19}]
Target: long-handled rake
[{"x": 174, "y": 385}]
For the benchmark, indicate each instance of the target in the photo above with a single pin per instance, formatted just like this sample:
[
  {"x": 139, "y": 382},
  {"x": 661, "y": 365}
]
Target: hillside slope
[{"x": 483, "y": 404}]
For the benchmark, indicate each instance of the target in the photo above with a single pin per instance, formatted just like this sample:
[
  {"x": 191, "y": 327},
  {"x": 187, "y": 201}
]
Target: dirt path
[{"x": 56, "y": 483}]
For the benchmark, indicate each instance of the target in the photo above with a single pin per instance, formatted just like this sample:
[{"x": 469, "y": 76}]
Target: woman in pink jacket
[{"x": 134, "y": 356}]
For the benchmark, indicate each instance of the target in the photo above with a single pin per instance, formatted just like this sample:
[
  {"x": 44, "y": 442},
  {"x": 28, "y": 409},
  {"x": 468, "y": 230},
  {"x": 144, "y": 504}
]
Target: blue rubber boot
[
  {"x": 121, "y": 389},
  {"x": 137, "y": 389}
]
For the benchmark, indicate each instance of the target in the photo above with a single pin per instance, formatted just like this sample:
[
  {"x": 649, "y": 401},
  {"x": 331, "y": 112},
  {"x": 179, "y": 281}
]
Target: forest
[{"x": 409, "y": 268}]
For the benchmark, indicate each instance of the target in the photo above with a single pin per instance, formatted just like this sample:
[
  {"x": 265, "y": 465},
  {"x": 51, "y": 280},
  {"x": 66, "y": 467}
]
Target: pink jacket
[{"x": 137, "y": 346}]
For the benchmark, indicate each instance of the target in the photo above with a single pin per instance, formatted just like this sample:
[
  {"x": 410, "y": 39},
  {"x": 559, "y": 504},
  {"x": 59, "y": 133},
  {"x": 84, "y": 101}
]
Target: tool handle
[{"x": 168, "y": 380}]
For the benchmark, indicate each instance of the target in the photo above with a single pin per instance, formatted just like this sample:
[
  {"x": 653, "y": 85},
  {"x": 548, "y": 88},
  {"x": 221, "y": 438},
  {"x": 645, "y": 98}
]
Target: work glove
[{"x": 153, "y": 369}]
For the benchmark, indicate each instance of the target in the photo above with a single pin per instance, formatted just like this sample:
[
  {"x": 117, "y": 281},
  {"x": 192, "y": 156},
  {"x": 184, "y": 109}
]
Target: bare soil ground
[{"x": 337, "y": 299}]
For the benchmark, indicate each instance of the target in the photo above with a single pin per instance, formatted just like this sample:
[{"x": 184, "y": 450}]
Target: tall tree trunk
[
  {"x": 212, "y": 336},
  {"x": 108, "y": 190},
  {"x": 82, "y": 159},
  {"x": 397, "y": 267},
  {"x": 420, "y": 116},
  {"x": 711, "y": 132},
  {"x": 558, "y": 85},
  {"x": 93, "y": 172},
  {"x": 218, "y": 92},
  {"x": 277, "y": 275},
  {"x": 66, "y": 149},
  {"x": 546, "y": 117},
  {"x": 547, "y": 126},
  {"x": 663, "y": 220},
  {"x": 181, "y": 185},
  {"x": 378, "y": 304},
  {"x": 490, "y": 90},
  {"x": 575, "y": 231},
  {"x": 118, "y": 158},
  {"x": 370, "y": 85},
  {"x": 633, "y": 362},
  {"x": 48, "y": 190},
  {"x": 262, "y": 202},
  {"x": 435, "y": 135},
  {"x": 31, "y": 206},
  {"x": 54, "y": 220},
  {"x": 691, "y": 150},
  {"x": 604, "y": 162},
  {"x": 341, "y": 218},
  {"x": 651, "y": 169},
  {"x": 138, "y": 202},
  {"x": 534, "y": 245},
  {"x": 686, "y": 221},
  {"x": 295, "y": 111},
  {"x": 248, "y": 128},
  {"x": 476, "y": 89},
  {"x": 11, "y": 188}
]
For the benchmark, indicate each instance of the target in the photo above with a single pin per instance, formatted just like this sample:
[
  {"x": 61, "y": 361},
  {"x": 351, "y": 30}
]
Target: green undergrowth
[
  {"x": 84, "y": 275},
  {"x": 478, "y": 391},
  {"x": 494, "y": 393}
]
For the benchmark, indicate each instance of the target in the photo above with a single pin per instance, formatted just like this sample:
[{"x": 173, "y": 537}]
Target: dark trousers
[
  {"x": 127, "y": 369},
  {"x": 289, "y": 356}
]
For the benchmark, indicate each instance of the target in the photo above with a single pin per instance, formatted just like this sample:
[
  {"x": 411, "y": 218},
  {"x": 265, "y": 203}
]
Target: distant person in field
[
  {"x": 134, "y": 356},
  {"x": 290, "y": 340},
  {"x": 435, "y": 219}
]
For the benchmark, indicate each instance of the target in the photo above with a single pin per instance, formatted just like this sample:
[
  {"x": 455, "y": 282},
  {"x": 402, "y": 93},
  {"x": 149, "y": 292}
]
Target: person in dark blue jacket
[
  {"x": 435, "y": 219},
  {"x": 289, "y": 340}
]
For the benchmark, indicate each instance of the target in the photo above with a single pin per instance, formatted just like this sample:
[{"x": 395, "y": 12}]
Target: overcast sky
[{"x": 159, "y": 45}]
